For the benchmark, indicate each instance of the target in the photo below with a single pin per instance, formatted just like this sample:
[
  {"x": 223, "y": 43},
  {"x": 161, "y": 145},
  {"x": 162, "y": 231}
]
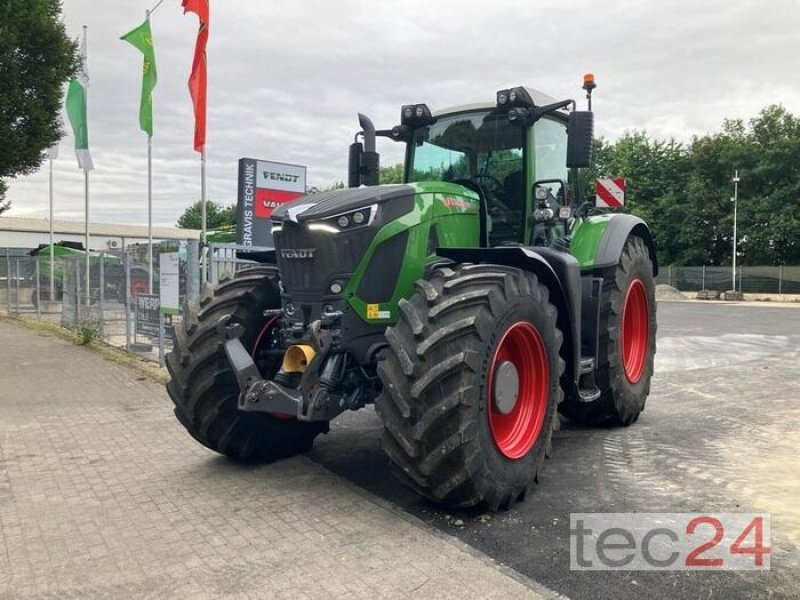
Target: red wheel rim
[
  {"x": 261, "y": 337},
  {"x": 635, "y": 331},
  {"x": 515, "y": 433}
]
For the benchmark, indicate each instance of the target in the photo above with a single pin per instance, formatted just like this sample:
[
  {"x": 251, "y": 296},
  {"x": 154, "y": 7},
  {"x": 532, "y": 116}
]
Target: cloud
[{"x": 287, "y": 79}]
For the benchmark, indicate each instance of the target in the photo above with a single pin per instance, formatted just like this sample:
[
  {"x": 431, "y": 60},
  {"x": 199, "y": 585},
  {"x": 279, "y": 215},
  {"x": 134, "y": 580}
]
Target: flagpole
[
  {"x": 150, "y": 198},
  {"x": 203, "y": 222},
  {"x": 86, "y": 183},
  {"x": 150, "y": 213},
  {"x": 52, "y": 249}
]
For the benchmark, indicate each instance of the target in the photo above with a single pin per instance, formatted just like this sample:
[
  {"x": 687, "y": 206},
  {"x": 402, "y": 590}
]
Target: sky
[{"x": 286, "y": 80}]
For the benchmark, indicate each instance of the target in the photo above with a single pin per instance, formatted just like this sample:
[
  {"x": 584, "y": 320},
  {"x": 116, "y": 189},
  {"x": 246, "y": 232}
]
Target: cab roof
[{"x": 539, "y": 99}]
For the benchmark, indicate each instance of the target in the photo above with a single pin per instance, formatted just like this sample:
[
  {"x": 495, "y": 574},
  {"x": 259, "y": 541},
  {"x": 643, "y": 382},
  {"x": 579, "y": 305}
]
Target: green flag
[
  {"x": 76, "y": 111},
  {"x": 142, "y": 38}
]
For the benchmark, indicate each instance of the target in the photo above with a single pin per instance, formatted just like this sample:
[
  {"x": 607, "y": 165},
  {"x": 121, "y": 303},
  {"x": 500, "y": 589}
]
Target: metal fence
[
  {"x": 112, "y": 296},
  {"x": 749, "y": 280},
  {"x": 104, "y": 296},
  {"x": 228, "y": 258}
]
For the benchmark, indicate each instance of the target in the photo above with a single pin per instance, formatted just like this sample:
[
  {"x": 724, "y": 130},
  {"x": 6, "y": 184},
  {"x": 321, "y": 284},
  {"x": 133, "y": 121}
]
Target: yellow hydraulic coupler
[{"x": 297, "y": 358}]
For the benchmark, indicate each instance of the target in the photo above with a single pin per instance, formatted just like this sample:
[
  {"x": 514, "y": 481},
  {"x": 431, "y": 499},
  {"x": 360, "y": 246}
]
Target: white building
[{"x": 20, "y": 235}]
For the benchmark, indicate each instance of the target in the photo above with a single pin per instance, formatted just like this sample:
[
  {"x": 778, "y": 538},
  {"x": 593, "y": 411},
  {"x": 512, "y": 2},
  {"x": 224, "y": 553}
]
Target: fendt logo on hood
[{"x": 297, "y": 253}]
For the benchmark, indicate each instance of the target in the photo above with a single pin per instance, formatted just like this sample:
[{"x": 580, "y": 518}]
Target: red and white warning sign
[{"x": 610, "y": 193}]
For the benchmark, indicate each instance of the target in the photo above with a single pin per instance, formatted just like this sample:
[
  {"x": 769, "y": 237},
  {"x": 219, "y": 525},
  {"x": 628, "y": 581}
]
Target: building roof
[{"x": 21, "y": 224}]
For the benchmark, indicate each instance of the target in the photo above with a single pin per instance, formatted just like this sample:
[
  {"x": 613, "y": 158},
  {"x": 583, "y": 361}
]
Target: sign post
[
  {"x": 169, "y": 288},
  {"x": 264, "y": 186}
]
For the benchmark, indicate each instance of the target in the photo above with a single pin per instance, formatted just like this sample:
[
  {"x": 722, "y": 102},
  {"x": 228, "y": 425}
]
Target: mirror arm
[{"x": 540, "y": 111}]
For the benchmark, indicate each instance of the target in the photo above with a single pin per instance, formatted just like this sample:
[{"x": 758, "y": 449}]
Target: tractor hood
[{"x": 324, "y": 205}]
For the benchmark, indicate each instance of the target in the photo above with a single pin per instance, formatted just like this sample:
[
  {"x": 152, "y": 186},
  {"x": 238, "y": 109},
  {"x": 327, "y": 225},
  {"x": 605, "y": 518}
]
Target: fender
[
  {"x": 598, "y": 241},
  {"x": 559, "y": 271}
]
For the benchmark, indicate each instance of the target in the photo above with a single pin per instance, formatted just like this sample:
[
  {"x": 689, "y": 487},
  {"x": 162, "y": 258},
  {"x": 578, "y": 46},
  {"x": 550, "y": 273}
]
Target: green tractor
[{"x": 470, "y": 304}]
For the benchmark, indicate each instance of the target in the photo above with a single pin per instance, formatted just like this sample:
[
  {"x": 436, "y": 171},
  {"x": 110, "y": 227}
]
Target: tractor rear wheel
[
  {"x": 203, "y": 386},
  {"x": 627, "y": 341},
  {"x": 471, "y": 385}
]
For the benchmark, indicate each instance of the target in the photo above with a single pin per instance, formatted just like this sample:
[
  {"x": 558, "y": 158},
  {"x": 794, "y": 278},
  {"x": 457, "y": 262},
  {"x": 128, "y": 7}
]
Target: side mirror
[{"x": 580, "y": 131}]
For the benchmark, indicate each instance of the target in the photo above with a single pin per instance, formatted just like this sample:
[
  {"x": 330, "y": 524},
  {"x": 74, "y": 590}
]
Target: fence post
[
  {"x": 669, "y": 275},
  {"x": 704, "y": 277},
  {"x": 78, "y": 294},
  {"x": 38, "y": 290},
  {"x": 101, "y": 296},
  {"x": 126, "y": 262},
  {"x": 212, "y": 265},
  {"x": 161, "y": 332},
  {"x": 741, "y": 272},
  {"x": 8, "y": 280},
  {"x": 780, "y": 280},
  {"x": 192, "y": 270},
  {"x": 16, "y": 286}
]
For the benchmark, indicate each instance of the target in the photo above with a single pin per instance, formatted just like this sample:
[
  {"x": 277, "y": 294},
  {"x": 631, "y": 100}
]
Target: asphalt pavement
[{"x": 719, "y": 434}]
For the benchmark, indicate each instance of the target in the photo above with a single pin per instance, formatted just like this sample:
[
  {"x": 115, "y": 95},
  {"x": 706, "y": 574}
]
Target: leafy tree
[
  {"x": 36, "y": 58},
  {"x": 217, "y": 216},
  {"x": 392, "y": 174},
  {"x": 684, "y": 191}
]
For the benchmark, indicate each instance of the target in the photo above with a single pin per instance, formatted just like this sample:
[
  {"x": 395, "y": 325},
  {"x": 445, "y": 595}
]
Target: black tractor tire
[
  {"x": 437, "y": 399},
  {"x": 623, "y": 390},
  {"x": 203, "y": 386}
]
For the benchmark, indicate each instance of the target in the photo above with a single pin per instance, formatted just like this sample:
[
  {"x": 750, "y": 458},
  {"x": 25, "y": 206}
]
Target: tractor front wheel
[
  {"x": 471, "y": 385},
  {"x": 203, "y": 386}
]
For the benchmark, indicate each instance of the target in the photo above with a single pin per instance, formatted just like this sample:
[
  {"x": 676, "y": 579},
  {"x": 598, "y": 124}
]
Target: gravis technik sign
[{"x": 263, "y": 186}]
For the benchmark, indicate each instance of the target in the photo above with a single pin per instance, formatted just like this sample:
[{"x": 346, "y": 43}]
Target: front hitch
[{"x": 308, "y": 403}]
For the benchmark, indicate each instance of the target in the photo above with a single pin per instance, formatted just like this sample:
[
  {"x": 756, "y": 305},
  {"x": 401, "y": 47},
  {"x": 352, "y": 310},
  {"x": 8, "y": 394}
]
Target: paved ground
[
  {"x": 104, "y": 495},
  {"x": 720, "y": 433}
]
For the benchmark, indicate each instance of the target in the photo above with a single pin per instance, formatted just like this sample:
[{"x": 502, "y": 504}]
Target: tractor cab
[{"x": 515, "y": 154}]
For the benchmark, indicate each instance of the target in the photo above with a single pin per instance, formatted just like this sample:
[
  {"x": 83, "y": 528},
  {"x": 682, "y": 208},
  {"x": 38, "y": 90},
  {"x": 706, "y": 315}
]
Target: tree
[
  {"x": 392, "y": 174},
  {"x": 217, "y": 216},
  {"x": 36, "y": 59}
]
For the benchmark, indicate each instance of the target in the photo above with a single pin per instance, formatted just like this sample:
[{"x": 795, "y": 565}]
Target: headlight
[{"x": 353, "y": 219}]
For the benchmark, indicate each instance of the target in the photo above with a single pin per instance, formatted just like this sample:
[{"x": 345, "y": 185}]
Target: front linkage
[{"x": 317, "y": 381}]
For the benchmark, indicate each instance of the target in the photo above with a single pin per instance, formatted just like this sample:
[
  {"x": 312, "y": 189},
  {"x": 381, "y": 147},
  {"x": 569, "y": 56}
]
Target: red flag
[{"x": 198, "y": 80}]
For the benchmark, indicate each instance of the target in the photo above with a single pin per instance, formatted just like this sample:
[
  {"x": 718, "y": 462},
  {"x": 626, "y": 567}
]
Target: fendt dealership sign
[{"x": 263, "y": 186}]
